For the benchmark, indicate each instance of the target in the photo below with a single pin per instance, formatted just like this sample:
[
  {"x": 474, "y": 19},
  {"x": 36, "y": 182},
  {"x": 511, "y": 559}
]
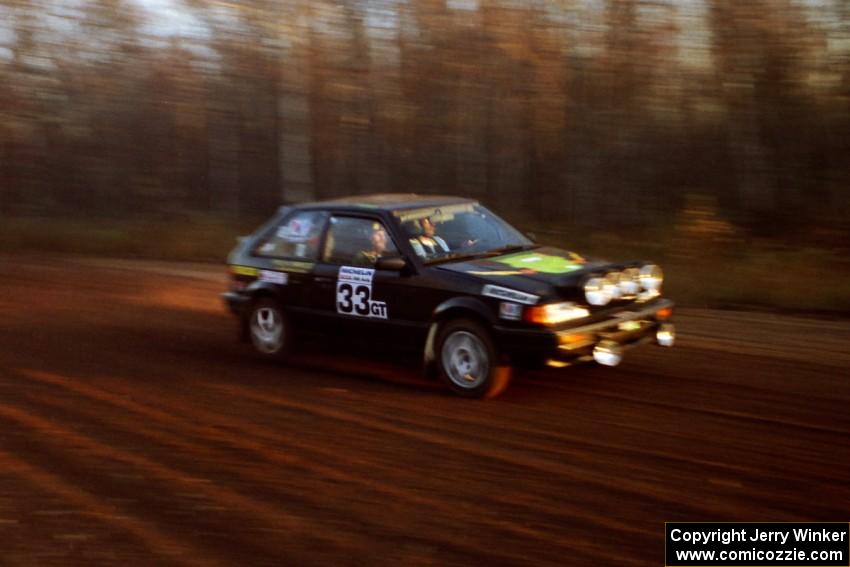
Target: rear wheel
[
  {"x": 468, "y": 362},
  {"x": 269, "y": 329}
]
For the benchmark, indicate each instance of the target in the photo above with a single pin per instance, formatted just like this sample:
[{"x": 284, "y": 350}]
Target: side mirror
[{"x": 395, "y": 264}]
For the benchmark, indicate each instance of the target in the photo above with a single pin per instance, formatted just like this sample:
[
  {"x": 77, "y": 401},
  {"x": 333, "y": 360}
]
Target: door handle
[{"x": 324, "y": 280}]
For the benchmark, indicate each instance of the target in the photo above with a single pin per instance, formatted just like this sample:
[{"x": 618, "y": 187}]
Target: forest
[{"x": 705, "y": 124}]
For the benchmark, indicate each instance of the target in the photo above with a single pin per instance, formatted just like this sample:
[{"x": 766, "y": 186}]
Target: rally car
[{"x": 444, "y": 273}]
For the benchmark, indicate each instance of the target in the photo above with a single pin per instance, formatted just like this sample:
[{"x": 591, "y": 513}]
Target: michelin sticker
[
  {"x": 508, "y": 294},
  {"x": 269, "y": 276},
  {"x": 354, "y": 293}
]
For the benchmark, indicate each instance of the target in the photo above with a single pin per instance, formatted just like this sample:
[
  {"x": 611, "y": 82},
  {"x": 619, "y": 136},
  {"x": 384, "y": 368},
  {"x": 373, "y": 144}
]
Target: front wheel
[
  {"x": 468, "y": 362},
  {"x": 269, "y": 329}
]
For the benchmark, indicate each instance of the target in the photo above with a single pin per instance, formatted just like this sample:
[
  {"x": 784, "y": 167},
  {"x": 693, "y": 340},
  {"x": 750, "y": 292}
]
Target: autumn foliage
[{"x": 618, "y": 112}]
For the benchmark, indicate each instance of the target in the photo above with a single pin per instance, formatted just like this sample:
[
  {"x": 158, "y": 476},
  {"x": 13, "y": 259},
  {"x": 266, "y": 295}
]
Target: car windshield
[{"x": 458, "y": 231}]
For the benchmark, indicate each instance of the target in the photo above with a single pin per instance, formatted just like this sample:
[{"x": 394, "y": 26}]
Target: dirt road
[{"x": 134, "y": 429}]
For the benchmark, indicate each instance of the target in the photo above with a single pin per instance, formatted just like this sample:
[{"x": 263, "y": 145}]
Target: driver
[
  {"x": 378, "y": 241},
  {"x": 428, "y": 243}
]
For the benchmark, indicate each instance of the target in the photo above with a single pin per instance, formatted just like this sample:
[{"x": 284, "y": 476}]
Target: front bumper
[{"x": 604, "y": 340}]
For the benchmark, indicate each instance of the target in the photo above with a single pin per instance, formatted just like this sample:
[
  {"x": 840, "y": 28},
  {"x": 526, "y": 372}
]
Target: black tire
[
  {"x": 467, "y": 360},
  {"x": 269, "y": 329}
]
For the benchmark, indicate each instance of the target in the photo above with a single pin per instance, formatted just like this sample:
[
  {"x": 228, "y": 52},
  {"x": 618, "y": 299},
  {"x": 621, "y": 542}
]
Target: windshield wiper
[
  {"x": 508, "y": 249},
  {"x": 454, "y": 256}
]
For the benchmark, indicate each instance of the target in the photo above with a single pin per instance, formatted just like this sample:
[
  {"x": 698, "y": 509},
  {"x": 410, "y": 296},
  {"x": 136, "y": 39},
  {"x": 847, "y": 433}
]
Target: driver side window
[{"x": 355, "y": 241}]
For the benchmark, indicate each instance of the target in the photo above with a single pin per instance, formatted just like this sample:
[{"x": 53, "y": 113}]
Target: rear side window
[{"x": 297, "y": 236}]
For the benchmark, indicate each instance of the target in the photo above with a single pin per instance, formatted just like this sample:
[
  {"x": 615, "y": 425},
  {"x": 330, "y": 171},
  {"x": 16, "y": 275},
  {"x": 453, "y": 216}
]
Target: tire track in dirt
[
  {"x": 627, "y": 486},
  {"x": 156, "y": 541},
  {"x": 643, "y": 464},
  {"x": 66, "y": 438},
  {"x": 540, "y": 440},
  {"x": 740, "y": 416},
  {"x": 270, "y": 451}
]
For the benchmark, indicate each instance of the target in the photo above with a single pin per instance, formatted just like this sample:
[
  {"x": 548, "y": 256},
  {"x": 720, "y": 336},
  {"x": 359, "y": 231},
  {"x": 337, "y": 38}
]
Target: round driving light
[
  {"x": 612, "y": 284},
  {"x": 630, "y": 281},
  {"x": 651, "y": 277},
  {"x": 608, "y": 353},
  {"x": 595, "y": 292},
  {"x": 666, "y": 335}
]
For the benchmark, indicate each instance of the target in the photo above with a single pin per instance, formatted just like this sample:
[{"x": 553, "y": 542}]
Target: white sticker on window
[
  {"x": 296, "y": 230},
  {"x": 269, "y": 276},
  {"x": 354, "y": 293},
  {"x": 508, "y": 294}
]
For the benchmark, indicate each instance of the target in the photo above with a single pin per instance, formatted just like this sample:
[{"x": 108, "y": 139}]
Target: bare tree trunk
[{"x": 295, "y": 111}]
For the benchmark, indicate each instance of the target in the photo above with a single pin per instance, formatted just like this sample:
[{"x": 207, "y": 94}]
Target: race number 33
[
  {"x": 354, "y": 293},
  {"x": 352, "y": 298}
]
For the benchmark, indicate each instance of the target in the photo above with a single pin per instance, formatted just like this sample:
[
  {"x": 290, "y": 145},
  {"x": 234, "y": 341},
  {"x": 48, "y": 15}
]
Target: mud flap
[{"x": 429, "y": 357}]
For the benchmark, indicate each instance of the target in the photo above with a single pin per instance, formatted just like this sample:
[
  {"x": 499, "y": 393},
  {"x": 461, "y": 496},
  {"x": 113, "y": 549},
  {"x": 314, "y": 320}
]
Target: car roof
[{"x": 388, "y": 201}]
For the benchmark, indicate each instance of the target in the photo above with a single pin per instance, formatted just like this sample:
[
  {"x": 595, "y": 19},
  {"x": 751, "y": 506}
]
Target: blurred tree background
[{"x": 731, "y": 117}]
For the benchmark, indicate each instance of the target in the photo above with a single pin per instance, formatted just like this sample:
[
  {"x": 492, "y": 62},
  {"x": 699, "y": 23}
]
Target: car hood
[{"x": 543, "y": 271}]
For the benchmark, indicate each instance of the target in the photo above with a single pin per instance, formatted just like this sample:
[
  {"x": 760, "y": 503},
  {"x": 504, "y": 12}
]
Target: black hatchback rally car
[{"x": 444, "y": 273}]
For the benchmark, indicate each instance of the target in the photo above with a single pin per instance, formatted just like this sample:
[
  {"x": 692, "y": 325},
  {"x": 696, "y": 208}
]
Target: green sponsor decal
[{"x": 544, "y": 263}]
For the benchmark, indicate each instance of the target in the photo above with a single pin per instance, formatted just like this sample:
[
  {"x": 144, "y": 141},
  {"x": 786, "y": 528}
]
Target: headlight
[
  {"x": 596, "y": 291},
  {"x": 651, "y": 277},
  {"x": 555, "y": 313},
  {"x": 630, "y": 281},
  {"x": 612, "y": 284}
]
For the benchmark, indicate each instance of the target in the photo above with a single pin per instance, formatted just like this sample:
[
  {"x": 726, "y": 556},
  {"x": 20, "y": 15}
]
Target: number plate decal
[
  {"x": 354, "y": 293},
  {"x": 509, "y": 294},
  {"x": 269, "y": 276}
]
